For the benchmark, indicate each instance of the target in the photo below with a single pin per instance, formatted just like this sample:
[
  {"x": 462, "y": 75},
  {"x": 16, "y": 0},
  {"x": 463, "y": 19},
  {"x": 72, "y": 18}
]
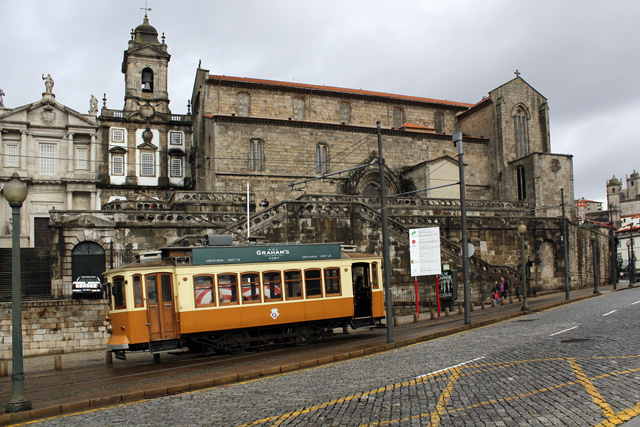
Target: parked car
[{"x": 87, "y": 287}]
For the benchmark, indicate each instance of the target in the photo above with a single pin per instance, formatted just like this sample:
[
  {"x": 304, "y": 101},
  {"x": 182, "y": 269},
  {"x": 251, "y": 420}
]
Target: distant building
[
  {"x": 584, "y": 207},
  {"x": 54, "y": 150},
  {"x": 623, "y": 201}
]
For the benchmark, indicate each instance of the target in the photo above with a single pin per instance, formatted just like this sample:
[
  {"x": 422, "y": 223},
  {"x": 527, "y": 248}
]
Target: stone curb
[{"x": 154, "y": 392}]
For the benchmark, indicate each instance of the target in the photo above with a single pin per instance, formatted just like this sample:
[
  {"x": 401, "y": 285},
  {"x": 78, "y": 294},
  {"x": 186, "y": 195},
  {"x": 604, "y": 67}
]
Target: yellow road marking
[
  {"x": 593, "y": 392},
  {"x": 443, "y": 400},
  {"x": 441, "y": 406}
]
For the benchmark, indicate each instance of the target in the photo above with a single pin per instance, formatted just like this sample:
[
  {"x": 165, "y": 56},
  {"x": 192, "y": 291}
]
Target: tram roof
[{"x": 245, "y": 254}]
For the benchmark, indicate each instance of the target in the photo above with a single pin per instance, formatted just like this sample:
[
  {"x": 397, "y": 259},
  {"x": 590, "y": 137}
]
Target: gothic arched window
[
  {"x": 521, "y": 135},
  {"x": 147, "y": 80},
  {"x": 255, "y": 155},
  {"x": 322, "y": 159},
  {"x": 522, "y": 183}
]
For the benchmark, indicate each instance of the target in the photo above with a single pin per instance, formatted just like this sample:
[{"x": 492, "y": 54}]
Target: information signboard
[
  {"x": 264, "y": 253},
  {"x": 424, "y": 250}
]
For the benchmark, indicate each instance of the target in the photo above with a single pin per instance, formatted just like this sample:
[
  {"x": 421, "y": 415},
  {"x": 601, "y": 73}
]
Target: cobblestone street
[{"x": 576, "y": 365}]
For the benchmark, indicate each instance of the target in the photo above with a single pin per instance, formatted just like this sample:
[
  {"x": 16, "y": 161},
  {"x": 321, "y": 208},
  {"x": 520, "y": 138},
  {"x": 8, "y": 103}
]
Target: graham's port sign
[{"x": 264, "y": 253}]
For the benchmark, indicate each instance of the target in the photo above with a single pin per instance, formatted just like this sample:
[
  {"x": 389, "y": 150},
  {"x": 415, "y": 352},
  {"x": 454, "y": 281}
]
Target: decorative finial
[
  {"x": 163, "y": 37},
  {"x": 104, "y": 101},
  {"x": 133, "y": 34},
  {"x": 517, "y": 73},
  {"x": 188, "y": 106},
  {"x": 200, "y": 63},
  {"x": 146, "y": 9}
]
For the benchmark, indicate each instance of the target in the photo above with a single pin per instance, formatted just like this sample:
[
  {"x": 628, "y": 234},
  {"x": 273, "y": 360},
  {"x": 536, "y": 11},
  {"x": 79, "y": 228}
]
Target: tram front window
[{"x": 119, "y": 300}]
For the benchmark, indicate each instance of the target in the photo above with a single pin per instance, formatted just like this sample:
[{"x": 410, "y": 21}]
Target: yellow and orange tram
[{"x": 228, "y": 298}]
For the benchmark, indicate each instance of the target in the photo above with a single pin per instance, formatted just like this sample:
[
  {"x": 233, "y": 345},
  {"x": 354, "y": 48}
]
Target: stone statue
[
  {"x": 93, "y": 103},
  {"x": 48, "y": 83},
  {"x": 1, "y": 95},
  {"x": 9, "y": 227}
]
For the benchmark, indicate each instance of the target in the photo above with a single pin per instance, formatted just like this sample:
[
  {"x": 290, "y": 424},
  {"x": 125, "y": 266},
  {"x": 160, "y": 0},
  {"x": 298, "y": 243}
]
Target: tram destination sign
[{"x": 266, "y": 253}]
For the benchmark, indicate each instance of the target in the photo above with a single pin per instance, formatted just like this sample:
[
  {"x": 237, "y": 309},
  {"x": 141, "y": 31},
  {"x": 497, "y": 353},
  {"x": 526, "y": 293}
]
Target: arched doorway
[
  {"x": 87, "y": 259},
  {"x": 371, "y": 190}
]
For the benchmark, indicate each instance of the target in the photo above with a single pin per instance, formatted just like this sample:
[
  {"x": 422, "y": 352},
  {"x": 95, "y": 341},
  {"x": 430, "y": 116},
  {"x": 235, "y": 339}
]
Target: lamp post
[
  {"x": 629, "y": 261},
  {"x": 592, "y": 238},
  {"x": 632, "y": 262},
  {"x": 15, "y": 191},
  {"x": 525, "y": 304}
]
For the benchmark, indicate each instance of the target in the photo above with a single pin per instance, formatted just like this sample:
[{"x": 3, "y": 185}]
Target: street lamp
[
  {"x": 521, "y": 230},
  {"x": 15, "y": 191},
  {"x": 592, "y": 238}
]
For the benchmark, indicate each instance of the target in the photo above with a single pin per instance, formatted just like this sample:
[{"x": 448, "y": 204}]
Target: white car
[{"x": 87, "y": 285}]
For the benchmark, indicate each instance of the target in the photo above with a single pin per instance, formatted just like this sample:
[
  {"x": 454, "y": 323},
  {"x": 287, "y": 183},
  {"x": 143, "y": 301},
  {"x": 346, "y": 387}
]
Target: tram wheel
[
  {"x": 302, "y": 336},
  {"x": 239, "y": 342}
]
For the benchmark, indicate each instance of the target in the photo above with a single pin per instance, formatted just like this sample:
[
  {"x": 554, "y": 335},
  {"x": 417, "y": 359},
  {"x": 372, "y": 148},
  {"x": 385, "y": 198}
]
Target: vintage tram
[{"x": 230, "y": 297}]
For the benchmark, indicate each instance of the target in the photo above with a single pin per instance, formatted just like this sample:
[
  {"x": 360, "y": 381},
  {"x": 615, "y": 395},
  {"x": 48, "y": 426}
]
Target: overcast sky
[{"x": 582, "y": 55}]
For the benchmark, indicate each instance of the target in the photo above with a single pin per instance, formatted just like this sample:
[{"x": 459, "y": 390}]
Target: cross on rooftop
[
  {"x": 517, "y": 73},
  {"x": 145, "y": 8}
]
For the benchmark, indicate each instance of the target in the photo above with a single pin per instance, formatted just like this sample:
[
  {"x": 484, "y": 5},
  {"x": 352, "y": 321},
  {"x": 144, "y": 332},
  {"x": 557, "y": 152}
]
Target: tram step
[
  {"x": 165, "y": 345},
  {"x": 362, "y": 322}
]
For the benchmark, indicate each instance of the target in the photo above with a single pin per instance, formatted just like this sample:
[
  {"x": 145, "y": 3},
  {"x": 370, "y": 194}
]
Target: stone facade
[
  {"x": 54, "y": 150},
  {"x": 56, "y": 327}
]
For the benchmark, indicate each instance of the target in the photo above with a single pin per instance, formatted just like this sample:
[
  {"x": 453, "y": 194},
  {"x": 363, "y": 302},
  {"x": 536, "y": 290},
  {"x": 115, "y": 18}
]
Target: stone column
[
  {"x": 69, "y": 199},
  {"x": 23, "y": 155},
  {"x": 71, "y": 158},
  {"x": 92, "y": 158}
]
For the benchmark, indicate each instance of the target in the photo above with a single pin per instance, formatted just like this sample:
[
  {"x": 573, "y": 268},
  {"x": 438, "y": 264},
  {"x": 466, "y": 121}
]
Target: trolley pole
[
  {"x": 457, "y": 141},
  {"x": 385, "y": 242}
]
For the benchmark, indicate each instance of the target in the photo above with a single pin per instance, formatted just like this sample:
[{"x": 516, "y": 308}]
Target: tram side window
[
  {"x": 119, "y": 300},
  {"x": 293, "y": 284},
  {"x": 137, "y": 291},
  {"x": 250, "y": 283},
  {"x": 313, "y": 283},
  {"x": 374, "y": 274},
  {"x": 332, "y": 281},
  {"x": 228, "y": 289},
  {"x": 204, "y": 290},
  {"x": 272, "y": 283}
]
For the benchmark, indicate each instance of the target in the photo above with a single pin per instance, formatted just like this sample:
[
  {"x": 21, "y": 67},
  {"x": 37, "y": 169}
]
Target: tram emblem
[{"x": 274, "y": 313}]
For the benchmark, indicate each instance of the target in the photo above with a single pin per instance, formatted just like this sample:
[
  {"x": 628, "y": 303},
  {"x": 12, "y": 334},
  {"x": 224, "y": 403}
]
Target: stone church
[{"x": 311, "y": 151}]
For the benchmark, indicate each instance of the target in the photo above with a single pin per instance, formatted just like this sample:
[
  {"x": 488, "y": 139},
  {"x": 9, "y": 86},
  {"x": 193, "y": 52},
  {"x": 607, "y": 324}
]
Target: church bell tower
[{"x": 145, "y": 67}]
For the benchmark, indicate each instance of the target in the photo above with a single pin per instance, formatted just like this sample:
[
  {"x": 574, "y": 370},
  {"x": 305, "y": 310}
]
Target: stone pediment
[
  {"x": 48, "y": 112},
  {"x": 86, "y": 220},
  {"x": 147, "y": 50}
]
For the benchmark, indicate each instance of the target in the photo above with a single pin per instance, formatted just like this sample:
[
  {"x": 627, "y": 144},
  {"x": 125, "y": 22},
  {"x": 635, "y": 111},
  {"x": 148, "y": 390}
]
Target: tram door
[
  {"x": 361, "y": 289},
  {"x": 160, "y": 308}
]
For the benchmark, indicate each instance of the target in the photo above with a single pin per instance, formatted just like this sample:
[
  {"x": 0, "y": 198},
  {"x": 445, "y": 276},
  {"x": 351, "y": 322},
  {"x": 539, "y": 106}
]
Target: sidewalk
[{"x": 86, "y": 381}]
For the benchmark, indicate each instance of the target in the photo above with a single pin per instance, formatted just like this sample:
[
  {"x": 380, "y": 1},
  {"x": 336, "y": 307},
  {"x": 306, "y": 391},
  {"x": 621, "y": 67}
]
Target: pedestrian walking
[
  {"x": 504, "y": 288},
  {"x": 495, "y": 292}
]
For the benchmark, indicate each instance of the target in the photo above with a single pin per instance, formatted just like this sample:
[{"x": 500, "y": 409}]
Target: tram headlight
[{"x": 122, "y": 328}]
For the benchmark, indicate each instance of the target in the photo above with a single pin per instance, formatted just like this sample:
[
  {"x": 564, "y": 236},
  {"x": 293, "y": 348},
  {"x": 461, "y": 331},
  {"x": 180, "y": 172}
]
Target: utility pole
[
  {"x": 385, "y": 242},
  {"x": 566, "y": 251},
  {"x": 457, "y": 141}
]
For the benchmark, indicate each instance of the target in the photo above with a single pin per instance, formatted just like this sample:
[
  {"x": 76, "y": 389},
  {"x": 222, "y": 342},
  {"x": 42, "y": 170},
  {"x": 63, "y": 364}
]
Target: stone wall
[
  {"x": 289, "y": 155},
  {"x": 56, "y": 327}
]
